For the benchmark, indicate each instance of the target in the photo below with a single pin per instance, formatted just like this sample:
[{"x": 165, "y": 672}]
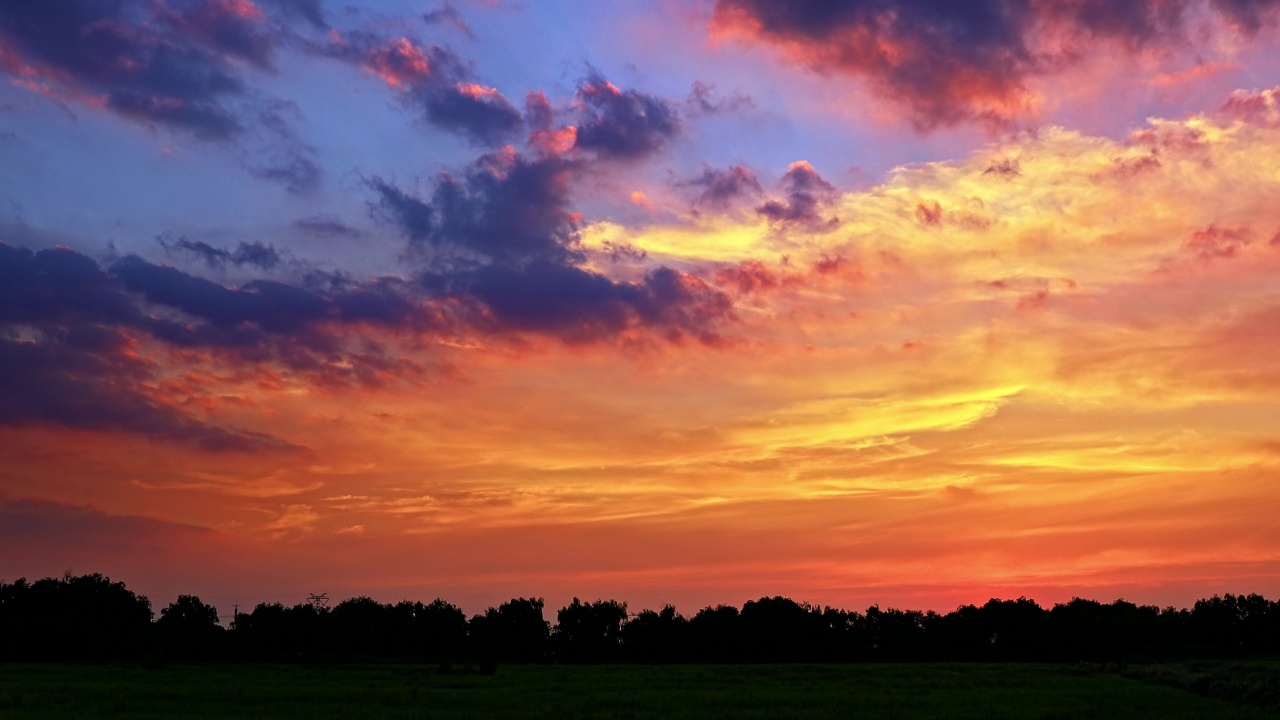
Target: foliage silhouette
[
  {"x": 590, "y": 632},
  {"x": 73, "y": 618},
  {"x": 189, "y": 629},
  {"x": 515, "y": 631},
  {"x": 91, "y": 618}
]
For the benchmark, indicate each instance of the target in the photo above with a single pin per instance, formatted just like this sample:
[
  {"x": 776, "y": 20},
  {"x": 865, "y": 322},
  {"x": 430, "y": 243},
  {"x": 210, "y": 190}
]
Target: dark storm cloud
[
  {"x": 298, "y": 172},
  {"x": 267, "y": 311},
  {"x": 271, "y": 306},
  {"x": 722, "y": 188},
  {"x": 92, "y": 384},
  {"x": 501, "y": 239},
  {"x": 108, "y": 50},
  {"x": 58, "y": 286},
  {"x": 235, "y": 28},
  {"x": 177, "y": 65},
  {"x": 447, "y": 14},
  {"x": 414, "y": 216},
  {"x": 581, "y": 305},
  {"x": 327, "y": 226},
  {"x": 311, "y": 11},
  {"x": 950, "y": 62},
  {"x": 478, "y": 113},
  {"x": 432, "y": 80},
  {"x": 504, "y": 209},
  {"x": 623, "y": 124},
  {"x": 806, "y": 191},
  {"x": 255, "y": 254},
  {"x": 69, "y": 329},
  {"x": 66, "y": 355}
]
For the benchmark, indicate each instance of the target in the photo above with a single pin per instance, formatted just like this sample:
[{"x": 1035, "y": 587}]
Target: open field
[{"x": 543, "y": 691}]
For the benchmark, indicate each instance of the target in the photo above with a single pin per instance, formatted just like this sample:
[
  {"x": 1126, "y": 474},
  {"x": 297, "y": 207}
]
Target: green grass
[
  {"x": 541, "y": 691},
  {"x": 1255, "y": 682}
]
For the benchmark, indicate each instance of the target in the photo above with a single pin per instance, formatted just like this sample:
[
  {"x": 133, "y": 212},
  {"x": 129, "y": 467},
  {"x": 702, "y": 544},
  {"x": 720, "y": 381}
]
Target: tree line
[{"x": 91, "y": 618}]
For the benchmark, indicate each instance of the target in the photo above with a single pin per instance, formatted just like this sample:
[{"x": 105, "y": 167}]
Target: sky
[{"x": 900, "y": 302}]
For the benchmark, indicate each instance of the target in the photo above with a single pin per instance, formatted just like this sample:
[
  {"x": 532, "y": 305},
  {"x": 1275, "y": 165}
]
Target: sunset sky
[{"x": 906, "y": 302}]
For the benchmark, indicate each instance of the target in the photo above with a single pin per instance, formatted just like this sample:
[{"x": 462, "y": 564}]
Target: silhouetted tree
[
  {"x": 361, "y": 626},
  {"x": 715, "y": 634},
  {"x": 514, "y": 631},
  {"x": 661, "y": 636},
  {"x": 92, "y": 618},
  {"x": 895, "y": 634},
  {"x": 778, "y": 629},
  {"x": 85, "y": 617},
  {"x": 275, "y": 632},
  {"x": 589, "y": 632},
  {"x": 189, "y": 629},
  {"x": 441, "y": 629}
]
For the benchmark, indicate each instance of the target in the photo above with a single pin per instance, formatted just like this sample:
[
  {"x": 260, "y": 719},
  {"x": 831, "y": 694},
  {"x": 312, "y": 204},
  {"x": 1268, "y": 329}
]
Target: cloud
[
  {"x": 704, "y": 101},
  {"x": 501, "y": 239},
  {"x": 233, "y": 28},
  {"x": 447, "y": 14},
  {"x": 1256, "y": 107},
  {"x": 270, "y": 305},
  {"x": 1214, "y": 243},
  {"x": 956, "y": 62},
  {"x": 255, "y": 254},
  {"x": 723, "y": 188},
  {"x": 70, "y": 334},
  {"x": 622, "y": 124},
  {"x": 87, "y": 379},
  {"x": 581, "y": 305},
  {"x": 544, "y": 136},
  {"x": 806, "y": 192},
  {"x": 311, "y": 11},
  {"x": 58, "y": 286},
  {"x": 106, "y": 54},
  {"x": 504, "y": 209},
  {"x": 1248, "y": 15},
  {"x": 432, "y": 80},
  {"x": 43, "y": 524},
  {"x": 278, "y": 154},
  {"x": 299, "y": 173},
  {"x": 327, "y": 226},
  {"x": 173, "y": 65},
  {"x": 67, "y": 357}
]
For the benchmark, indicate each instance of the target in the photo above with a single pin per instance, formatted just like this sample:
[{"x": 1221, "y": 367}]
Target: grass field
[{"x": 548, "y": 691}]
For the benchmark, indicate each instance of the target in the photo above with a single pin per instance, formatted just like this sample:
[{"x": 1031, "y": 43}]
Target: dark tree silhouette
[
  {"x": 91, "y": 618},
  {"x": 275, "y": 632},
  {"x": 188, "y": 615},
  {"x": 514, "y": 631},
  {"x": 440, "y": 630},
  {"x": 895, "y": 634},
  {"x": 656, "y": 636},
  {"x": 188, "y": 628},
  {"x": 88, "y": 617},
  {"x": 715, "y": 635},
  {"x": 778, "y": 629},
  {"x": 590, "y": 632}
]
